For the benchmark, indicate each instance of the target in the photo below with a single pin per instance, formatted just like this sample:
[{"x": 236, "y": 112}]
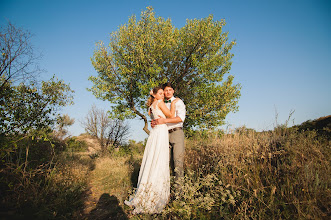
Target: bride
[{"x": 153, "y": 189}]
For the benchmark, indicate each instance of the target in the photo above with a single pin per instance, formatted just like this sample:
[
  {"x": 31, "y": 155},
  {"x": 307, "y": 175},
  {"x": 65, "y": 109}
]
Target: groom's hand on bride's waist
[
  {"x": 161, "y": 121},
  {"x": 158, "y": 121},
  {"x": 153, "y": 123}
]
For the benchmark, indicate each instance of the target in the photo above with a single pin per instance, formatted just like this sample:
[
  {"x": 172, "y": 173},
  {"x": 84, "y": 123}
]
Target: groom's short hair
[{"x": 168, "y": 84}]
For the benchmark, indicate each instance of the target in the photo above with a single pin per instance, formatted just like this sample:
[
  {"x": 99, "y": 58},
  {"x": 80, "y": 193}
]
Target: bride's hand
[{"x": 175, "y": 101}]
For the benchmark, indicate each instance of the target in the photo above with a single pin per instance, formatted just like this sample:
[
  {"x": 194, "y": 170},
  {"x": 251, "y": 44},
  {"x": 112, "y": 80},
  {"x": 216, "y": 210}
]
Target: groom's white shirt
[{"x": 180, "y": 112}]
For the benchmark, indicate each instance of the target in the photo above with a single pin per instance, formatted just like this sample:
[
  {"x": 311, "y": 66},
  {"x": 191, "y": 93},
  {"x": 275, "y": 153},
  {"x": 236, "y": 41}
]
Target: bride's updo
[{"x": 151, "y": 97}]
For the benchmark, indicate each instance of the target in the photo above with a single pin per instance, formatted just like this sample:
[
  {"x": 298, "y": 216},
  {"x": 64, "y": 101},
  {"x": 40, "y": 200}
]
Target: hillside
[{"x": 322, "y": 125}]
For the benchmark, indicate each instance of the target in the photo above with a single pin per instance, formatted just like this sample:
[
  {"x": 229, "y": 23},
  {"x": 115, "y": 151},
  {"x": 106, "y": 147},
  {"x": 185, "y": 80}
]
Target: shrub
[{"x": 72, "y": 144}]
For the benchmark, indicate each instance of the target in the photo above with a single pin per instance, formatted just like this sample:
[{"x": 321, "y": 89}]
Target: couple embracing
[{"x": 168, "y": 114}]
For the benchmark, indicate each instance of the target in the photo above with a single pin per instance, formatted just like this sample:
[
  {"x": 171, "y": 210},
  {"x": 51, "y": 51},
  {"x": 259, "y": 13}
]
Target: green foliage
[
  {"x": 27, "y": 151},
  {"x": 62, "y": 122},
  {"x": 28, "y": 147},
  {"x": 26, "y": 108},
  {"x": 137, "y": 148},
  {"x": 204, "y": 134},
  {"x": 132, "y": 148},
  {"x": 74, "y": 145},
  {"x": 145, "y": 53},
  {"x": 120, "y": 151},
  {"x": 201, "y": 197}
]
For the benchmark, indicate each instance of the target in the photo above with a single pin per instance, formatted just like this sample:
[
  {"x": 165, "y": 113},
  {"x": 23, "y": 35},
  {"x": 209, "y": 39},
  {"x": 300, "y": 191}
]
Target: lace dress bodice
[{"x": 156, "y": 112}]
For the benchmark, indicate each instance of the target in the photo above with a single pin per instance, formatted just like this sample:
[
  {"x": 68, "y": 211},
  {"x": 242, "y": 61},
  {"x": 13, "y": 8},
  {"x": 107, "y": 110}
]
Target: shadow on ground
[
  {"x": 107, "y": 208},
  {"x": 135, "y": 173}
]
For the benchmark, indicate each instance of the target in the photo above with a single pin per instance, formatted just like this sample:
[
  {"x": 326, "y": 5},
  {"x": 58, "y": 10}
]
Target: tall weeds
[
  {"x": 39, "y": 179},
  {"x": 280, "y": 174}
]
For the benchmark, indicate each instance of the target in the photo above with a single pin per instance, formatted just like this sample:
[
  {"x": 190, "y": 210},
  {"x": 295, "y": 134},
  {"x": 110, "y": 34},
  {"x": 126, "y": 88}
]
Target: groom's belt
[{"x": 175, "y": 129}]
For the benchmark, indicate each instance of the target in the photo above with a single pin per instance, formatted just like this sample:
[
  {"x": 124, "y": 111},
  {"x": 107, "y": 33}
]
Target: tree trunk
[
  {"x": 143, "y": 117},
  {"x": 146, "y": 126}
]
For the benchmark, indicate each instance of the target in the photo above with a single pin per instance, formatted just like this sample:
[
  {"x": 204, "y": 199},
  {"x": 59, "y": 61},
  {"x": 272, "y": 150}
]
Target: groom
[{"x": 175, "y": 128}]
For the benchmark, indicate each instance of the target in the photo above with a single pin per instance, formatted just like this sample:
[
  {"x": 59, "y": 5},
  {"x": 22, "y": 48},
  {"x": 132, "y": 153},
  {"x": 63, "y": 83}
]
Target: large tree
[{"x": 145, "y": 53}]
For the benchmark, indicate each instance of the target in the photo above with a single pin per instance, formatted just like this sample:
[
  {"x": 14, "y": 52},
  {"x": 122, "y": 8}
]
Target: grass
[
  {"x": 110, "y": 177},
  {"x": 41, "y": 180},
  {"x": 279, "y": 174}
]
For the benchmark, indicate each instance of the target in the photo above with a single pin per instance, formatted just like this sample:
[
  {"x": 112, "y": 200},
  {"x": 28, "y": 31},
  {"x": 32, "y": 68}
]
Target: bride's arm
[
  {"x": 164, "y": 109},
  {"x": 168, "y": 113}
]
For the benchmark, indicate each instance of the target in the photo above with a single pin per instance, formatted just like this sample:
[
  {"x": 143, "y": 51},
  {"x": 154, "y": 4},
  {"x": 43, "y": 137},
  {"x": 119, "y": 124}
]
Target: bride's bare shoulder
[{"x": 156, "y": 104}]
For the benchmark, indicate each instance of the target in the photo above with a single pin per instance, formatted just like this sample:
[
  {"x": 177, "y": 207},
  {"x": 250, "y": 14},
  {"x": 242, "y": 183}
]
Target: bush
[
  {"x": 72, "y": 144},
  {"x": 132, "y": 148}
]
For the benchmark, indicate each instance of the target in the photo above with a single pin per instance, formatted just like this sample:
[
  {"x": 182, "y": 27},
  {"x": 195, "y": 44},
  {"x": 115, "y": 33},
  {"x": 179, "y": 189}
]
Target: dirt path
[{"x": 108, "y": 184}]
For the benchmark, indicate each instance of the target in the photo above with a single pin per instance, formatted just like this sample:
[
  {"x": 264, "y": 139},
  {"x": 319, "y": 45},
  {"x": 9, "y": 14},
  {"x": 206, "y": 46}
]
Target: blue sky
[{"x": 282, "y": 57}]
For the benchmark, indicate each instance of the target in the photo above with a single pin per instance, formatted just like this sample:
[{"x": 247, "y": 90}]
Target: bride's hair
[{"x": 151, "y": 97}]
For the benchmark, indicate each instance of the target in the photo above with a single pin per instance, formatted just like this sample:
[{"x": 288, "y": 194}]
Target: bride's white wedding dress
[{"x": 153, "y": 189}]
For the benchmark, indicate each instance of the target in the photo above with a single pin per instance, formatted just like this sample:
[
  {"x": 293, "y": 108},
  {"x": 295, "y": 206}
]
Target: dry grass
[
  {"x": 110, "y": 182},
  {"x": 281, "y": 174},
  {"x": 111, "y": 175}
]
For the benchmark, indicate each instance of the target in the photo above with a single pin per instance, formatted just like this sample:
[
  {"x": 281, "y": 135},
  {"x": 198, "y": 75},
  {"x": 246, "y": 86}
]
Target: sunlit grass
[{"x": 111, "y": 175}]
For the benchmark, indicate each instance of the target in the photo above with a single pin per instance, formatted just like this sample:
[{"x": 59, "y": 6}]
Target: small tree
[
  {"x": 62, "y": 123},
  {"x": 96, "y": 123},
  {"x": 118, "y": 132},
  {"x": 109, "y": 132},
  {"x": 27, "y": 107},
  {"x": 28, "y": 112},
  {"x": 143, "y": 54}
]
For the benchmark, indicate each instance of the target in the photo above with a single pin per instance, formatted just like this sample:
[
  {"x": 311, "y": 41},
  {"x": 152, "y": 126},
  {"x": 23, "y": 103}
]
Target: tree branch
[{"x": 141, "y": 115}]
